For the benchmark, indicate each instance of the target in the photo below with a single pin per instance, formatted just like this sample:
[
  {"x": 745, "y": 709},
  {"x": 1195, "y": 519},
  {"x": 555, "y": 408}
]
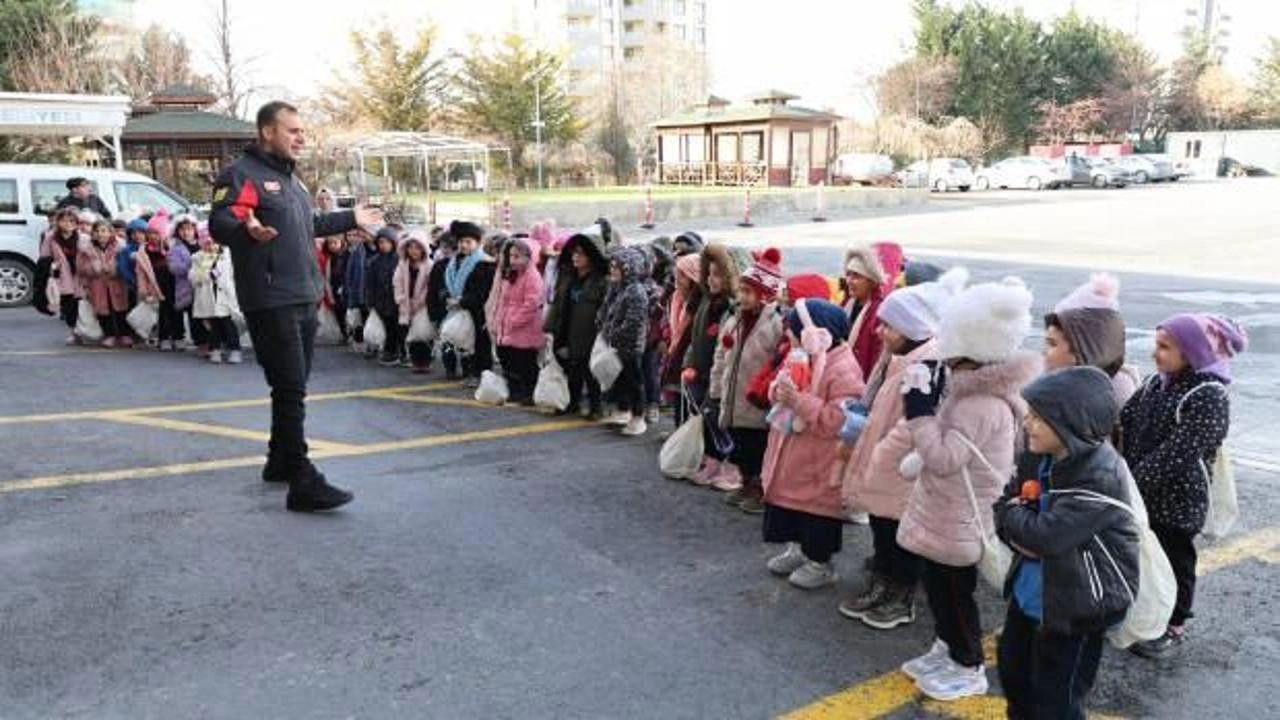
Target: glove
[
  {"x": 855, "y": 419},
  {"x": 922, "y": 387}
]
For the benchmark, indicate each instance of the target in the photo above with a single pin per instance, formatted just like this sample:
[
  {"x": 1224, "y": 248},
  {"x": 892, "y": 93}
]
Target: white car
[
  {"x": 861, "y": 169},
  {"x": 1142, "y": 169},
  {"x": 1022, "y": 172},
  {"x": 939, "y": 175},
  {"x": 28, "y": 193}
]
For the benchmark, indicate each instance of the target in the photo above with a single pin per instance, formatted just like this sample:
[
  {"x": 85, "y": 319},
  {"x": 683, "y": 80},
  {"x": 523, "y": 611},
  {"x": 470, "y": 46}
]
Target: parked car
[
  {"x": 939, "y": 174},
  {"x": 28, "y": 193},
  {"x": 1142, "y": 169},
  {"x": 1072, "y": 170},
  {"x": 1023, "y": 172},
  {"x": 1164, "y": 167},
  {"x": 1231, "y": 167},
  {"x": 1182, "y": 169},
  {"x": 1105, "y": 173},
  {"x": 861, "y": 169}
]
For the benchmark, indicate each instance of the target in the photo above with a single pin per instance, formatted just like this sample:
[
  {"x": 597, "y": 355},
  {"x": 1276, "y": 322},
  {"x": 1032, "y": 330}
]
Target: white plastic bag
[
  {"x": 354, "y": 318},
  {"x": 328, "y": 331},
  {"x": 681, "y": 454},
  {"x": 605, "y": 364},
  {"x": 552, "y": 390},
  {"x": 143, "y": 319},
  {"x": 87, "y": 326},
  {"x": 52, "y": 295},
  {"x": 493, "y": 388},
  {"x": 459, "y": 330},
  {"x": 1224, "y": 506},
  {"x": 375, "y": 333},
  {"x": 421, "y": 329}
]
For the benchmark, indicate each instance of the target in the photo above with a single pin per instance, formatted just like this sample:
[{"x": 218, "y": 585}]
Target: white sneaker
[
  {"x": 813, "y": 575},
  {"x": 859, "y": 517},
  {"x": 635, "y": 426},
  {"x": 235, "y": 357},
  {"x": 788, "y": 562},
  {"x": 954, "y": 682},
  {"x": 652, "y": 415},
  {"x": 617, "y": 419},
  {"x": 215, "y": 357},
  {"x": 928, "y": 663}
]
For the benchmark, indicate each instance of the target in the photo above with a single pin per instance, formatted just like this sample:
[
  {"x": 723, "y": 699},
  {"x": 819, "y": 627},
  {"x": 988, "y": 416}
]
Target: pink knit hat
[
  {"x": 1101, "y": 292},
  {"x": 159, "y": 223}
]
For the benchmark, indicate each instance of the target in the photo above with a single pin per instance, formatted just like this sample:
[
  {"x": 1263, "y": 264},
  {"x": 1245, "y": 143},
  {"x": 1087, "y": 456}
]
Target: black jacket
[
  {"x": 572, "y": 317},
  {"x": 1088, "y": 547},
  {"x": 284, "y": 271},
  {"x": 93, "y": 202},
  {"x": 379, "y": 292},
  {"x": 1171, "y": 460},
  {"x": 437, "y": 294}
]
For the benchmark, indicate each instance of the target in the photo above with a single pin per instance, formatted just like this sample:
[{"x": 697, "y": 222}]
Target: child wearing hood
[
  {"x": 380, "y": 295},
  {"x": 214, "y": 300},
  {"x": 468, "y": 279},
  {"x": 624, "y": 323},
  {"x": 409, "y": 282},
  {"x": 360, "y": 250},
  {"x": 719, "y": 285},
  {"x": 802, "y": 504},
  {"x": 182, "y": 247},
  {"x": 333, "y": 257},
  {"x": 61, "y": 244},
  {"x": 437, "y": 297},
  {"x": 875, "y": 438},
  {"x": 169, "y": 329},
  {"x": 962, "y": 451},
  {"x": 747, "y": 344},
  {"x": 1170, "y": 433},
  {"x": 96, "y": 266},
  {"x": 656, "y": 281},
  {"x": 581, "y": 284},
  {"x": 516, "y": 319},
  {"x": 870, "y": 274},
  {"x": 686, "y": 296},
  {"x": 1086, "y": 328},
  {"x": 1075, "y": 566}
]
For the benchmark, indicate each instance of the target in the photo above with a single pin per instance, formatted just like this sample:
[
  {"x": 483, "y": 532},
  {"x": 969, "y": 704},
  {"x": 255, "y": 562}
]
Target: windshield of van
[{"x": 137, "y": 198}]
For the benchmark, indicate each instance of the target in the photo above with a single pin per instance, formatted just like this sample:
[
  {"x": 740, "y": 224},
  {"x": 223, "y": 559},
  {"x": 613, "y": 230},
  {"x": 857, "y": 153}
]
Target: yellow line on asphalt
[
  {"x": 91, "y": 478},
  {"x": 436, "y": 400},
  {"x": 894, "y": 691},
  {"x": 205, "y": 428},
  {"x": 48, "y": 353},
  {"x": 212, "y": 405}
]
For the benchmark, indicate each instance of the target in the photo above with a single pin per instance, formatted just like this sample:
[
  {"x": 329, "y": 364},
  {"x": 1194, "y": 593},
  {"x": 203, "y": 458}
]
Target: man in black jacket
[
  {"x": 82, "y": 197},
  {"x": 263, "y": 213}
]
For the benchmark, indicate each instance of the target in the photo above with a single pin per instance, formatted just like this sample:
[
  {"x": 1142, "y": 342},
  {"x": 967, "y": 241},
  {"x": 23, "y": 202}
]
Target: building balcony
[{"x": 735, "y": 174}]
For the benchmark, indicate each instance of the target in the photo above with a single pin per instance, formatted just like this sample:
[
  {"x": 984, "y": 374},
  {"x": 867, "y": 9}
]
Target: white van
[
  {"x": 29, "y": 192},
  {"x": 861, "y": 169}
]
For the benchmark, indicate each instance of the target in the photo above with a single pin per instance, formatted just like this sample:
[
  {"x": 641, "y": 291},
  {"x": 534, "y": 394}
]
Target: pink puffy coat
[
  {"x": 799, "y": 467},
  {"x": 66, "y": 280},
  {"x": 984, "y": 406},
  {"x": 870, "y": 477},
  {"x": 517, "y": 306},
  {"x": 96, "y": 268},
  {"x": 410, "y": 300}
]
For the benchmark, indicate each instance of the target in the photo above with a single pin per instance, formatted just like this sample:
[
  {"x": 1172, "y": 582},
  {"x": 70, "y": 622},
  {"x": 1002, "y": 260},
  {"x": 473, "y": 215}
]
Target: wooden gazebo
[
  {"x": 765, "y": 142},
  {"x": 174, "y": 126}
]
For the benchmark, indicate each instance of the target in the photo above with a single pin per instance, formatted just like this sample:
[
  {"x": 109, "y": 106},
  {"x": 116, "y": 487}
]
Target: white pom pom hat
[
  {"x": 986, "y": 323},
  {"x": 916, "y": 311}
]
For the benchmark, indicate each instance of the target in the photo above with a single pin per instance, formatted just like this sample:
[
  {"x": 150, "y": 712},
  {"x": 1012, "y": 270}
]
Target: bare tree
[
  {"x": 921, "y": 87},
  {"x": 161, "y": 59},
  {"x": 232, "y": 77}
]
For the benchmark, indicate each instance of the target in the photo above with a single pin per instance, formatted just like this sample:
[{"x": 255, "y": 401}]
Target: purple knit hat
[{"x": 1208, "y": 342}]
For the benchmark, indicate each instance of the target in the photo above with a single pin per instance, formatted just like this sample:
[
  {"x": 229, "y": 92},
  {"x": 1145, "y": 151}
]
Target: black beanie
[{"x": 464, "y": 229}]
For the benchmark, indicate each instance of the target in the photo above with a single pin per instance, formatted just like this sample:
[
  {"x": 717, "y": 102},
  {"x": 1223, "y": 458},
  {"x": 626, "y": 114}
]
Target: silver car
[
  {"x": 1164, "y": 167},
  {"x": 1106, "y": 173},
  {"x": 1025, "y": 171},
  {"x": 1142, "y": 169}
]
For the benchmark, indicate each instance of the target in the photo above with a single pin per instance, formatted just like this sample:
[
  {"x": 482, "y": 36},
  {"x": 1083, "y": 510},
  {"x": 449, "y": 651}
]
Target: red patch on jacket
[{"x": 727, "y": 341}]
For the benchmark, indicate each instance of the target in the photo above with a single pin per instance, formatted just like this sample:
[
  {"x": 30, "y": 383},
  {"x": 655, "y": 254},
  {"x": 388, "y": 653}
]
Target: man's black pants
[{"x": 283, "y": 341}]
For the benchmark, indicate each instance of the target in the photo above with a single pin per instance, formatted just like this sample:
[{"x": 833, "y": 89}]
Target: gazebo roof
[
  {"x": 187, "y": 125},
  {"x": 181, "y": 94}
]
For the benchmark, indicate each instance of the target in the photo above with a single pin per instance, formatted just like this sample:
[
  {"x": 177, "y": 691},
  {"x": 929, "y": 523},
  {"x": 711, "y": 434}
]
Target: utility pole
[{"x": 537, "y": 95}]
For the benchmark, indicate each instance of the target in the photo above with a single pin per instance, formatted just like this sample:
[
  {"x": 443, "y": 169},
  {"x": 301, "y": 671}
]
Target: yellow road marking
[
  {"x": 212, "y": 405},
  {"x": 436, "y": 400},
  {"x": 48, "y": 353},
  {"x": 90, "y": 478},
  {"x": 893, "y": 691},
  {"x": 163, "y": 423}
]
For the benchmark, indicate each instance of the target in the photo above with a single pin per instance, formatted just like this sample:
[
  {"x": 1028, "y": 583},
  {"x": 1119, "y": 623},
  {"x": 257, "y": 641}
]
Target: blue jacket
[
  {"x": 124, "y": 264},
  {"x": 357, "y": 265}
]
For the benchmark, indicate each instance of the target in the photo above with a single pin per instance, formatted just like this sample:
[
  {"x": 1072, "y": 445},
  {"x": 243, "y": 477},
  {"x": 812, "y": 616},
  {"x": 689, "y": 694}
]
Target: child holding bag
[
  {"x": 380, "y": 295},
  {"x": 182, "y": 247},
  {"x": 410, "y": 286},
  {"x": 517, "y": 300},
  {"x": 962, "y": 455},
  {"x": 214, "y": 300},
  {"x": 96, "y": 266},
  {"x": 624, "y": 324},
  {"x": 802, "y": 504}
]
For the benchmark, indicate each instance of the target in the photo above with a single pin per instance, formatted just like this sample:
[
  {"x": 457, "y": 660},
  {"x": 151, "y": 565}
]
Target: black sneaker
[
  {"x": 571, "y": 411},
  {"x": 315, "y": 494},
  {"x": 1161, "y": 646}
]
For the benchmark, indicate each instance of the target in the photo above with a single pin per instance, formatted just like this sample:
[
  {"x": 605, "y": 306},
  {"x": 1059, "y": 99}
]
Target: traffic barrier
[
  {"x": 648, "y": 209},
  {"x": 820, "y": 209},
  {"x": 746, "y": 212}
]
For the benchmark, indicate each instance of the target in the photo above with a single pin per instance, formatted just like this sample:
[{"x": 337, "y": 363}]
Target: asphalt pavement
[{"x": 497, "y": 563}]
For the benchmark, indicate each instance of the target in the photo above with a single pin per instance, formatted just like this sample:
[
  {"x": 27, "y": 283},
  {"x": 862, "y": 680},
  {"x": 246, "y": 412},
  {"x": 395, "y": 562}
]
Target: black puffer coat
[
  {"x": 572, "y": 317},
  {"x": 624, "y": 316}
]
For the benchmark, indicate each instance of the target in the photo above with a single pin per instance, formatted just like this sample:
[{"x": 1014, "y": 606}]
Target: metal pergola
[{"x": 426, "y": 147}]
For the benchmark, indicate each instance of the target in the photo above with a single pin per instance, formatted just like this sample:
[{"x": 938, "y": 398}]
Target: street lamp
[{"x": 538, "y": 124}]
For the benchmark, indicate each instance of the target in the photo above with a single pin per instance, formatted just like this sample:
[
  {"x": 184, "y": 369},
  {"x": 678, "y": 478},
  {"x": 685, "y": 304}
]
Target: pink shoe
[
  {"x": 710, "y": 468},
  {"x": 125, "y": 342},
  {"x": 728, "y": 479},
  {"x": 108, "y": 342},
  {"x": 72, "y": 339}
]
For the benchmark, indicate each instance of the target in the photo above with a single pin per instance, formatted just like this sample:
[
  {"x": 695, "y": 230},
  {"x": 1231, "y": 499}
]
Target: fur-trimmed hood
[
  {"x": 632, "y": 262},
  {"x": 721, "y": 256},
  {"x": 594, "y": 247},
  {"x": 882, "y": 262},
  {"x": 1003, "y": 379}
]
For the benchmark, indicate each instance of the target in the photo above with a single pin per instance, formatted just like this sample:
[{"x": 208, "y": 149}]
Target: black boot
[
  {"x": 273, "y": 473},
  {"x": 311, "y": 492}
]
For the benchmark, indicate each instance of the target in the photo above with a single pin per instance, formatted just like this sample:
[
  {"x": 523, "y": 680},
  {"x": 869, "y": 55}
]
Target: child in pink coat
[
  {"x": 517, "y": 299},
  {"x": 802, "y": 503},
  {"x": 106, "y": 292},
  {"x": 409, "y": 283}
]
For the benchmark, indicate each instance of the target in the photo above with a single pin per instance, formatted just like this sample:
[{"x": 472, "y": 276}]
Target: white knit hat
[
  {"x": 987, "y": 322},
  {"x": 916, "y": 311},
  {"x": 1101, "y": 292}
]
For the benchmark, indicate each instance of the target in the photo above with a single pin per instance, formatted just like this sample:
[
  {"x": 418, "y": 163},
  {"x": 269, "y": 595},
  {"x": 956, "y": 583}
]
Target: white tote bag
[
  {"x": 143, "y": 319},
  {"x": 605, "y": 364},
  {"x": 996, "y": 556},
  {"x": 459, "y": 330},
  {"x": 354, "y": 318},
  {"x": 328, "y": 331},
  {"x": 375, "y": 333},
  {"x": 87, "y": 326},
  {"x": 493, "y": 388},
  {"x": 681, "y": 454},
  {"x": 421, "y": 329},
  {"x": 1224, "y": 505},
  {"x": 552, "y": 390}
]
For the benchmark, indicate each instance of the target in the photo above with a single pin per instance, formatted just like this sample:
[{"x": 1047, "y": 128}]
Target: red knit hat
[
  {"x": 808, "y": 286},
  {"x": 765, "y": 276}
]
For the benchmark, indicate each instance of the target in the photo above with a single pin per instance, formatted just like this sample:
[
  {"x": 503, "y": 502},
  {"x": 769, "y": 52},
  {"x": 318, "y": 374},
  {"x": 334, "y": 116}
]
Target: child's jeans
[
  {"x": 628, "y": 390},
  {"x": 955, "y": 612},
  {"x": 69, "y": 309},
  {"x": 223, "y": 333},
  {"x": 651, "y": 364},
  {"x": 1045, "y": 675},
  {"x": 393, "y": 348},
  {"x": 200, "y": 334},
  {"x": 520, "y": 365},
  {"x": 114, "y": 325},
  {"x": 171, "y": 327},
  {"x": 889, "y": 559}
]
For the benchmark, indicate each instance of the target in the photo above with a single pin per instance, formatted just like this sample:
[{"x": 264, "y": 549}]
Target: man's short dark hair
[
  {"x": 268, "y": 113},
  {"x": 76, "y": 182}
]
